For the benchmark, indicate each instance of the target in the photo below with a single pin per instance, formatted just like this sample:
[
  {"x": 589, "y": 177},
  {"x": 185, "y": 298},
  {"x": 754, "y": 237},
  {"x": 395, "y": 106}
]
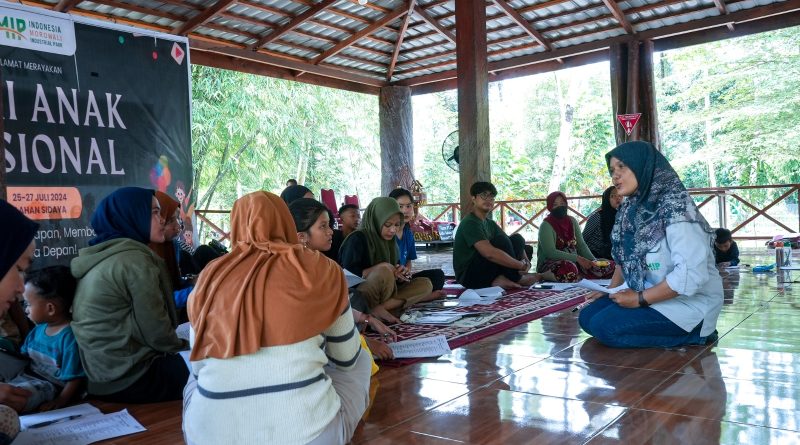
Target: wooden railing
[{"x": 737, "y": 208}]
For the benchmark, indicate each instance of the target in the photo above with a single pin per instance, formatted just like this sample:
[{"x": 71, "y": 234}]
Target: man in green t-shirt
[{"x": 483, "y": 255}]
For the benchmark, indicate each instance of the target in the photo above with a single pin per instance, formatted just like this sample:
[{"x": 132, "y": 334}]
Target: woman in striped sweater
[{"x": 275, "y": 353}]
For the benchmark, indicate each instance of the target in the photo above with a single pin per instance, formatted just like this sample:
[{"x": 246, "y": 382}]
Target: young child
[
  {"x": 350, "y": 216},
  {"x": 55, "y": 374},
  {"x": 726, "y": 252}
]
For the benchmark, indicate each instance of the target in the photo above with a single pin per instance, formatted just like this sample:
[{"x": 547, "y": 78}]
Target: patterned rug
[{"x": 516, "y": 308}]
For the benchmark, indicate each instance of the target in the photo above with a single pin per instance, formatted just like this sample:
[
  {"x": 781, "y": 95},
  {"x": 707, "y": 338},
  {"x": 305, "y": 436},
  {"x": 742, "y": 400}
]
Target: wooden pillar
[
  {"x": 633, "y": 90},
  {"x": 473, "y": 97},
  {"x": 397, "y": 138}
]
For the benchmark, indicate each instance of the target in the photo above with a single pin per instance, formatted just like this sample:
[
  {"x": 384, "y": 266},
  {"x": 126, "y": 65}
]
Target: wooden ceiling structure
[{"x": 347, "y": 45}]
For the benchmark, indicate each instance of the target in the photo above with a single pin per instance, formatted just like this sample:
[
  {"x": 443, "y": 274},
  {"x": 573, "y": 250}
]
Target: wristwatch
[{"x": 642, "y": 301}]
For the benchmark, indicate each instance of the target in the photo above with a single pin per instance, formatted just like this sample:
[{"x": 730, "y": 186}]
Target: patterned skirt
[{"x": 569, "y": 272}]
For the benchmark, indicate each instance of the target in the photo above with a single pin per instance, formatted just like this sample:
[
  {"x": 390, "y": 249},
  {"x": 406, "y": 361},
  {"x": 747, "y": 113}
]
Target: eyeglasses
[{"x": 486, "y": 196}]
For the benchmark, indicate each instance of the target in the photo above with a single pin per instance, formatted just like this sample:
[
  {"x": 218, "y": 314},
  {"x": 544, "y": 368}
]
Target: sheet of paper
[
  {"x": 182, "y": 331},
  {"x": 469, "y": 298},
  {"x": 352, "y": 279},
  {"x": 596, "y": 287},
  {"x": 492, "y": 292},
  {"x": 471, "y": 322},
  {"x": 82, "y": 431},
  {"x": 83, "y": 409},
  {"x": 605, "y": 282},
  {"x": 455, "y": 286},
  {"x": 436, "y": 319},
  {"x": 185, "y": 356},
  {"x": 423, "y": 347},
  {"x": 556, "y": 286}
]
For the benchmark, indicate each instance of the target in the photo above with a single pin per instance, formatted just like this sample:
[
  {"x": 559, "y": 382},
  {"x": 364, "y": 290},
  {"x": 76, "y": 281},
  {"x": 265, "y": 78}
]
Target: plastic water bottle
[
  {"x": 787, "y": 253},
  {"x": 779, "y": 254}
]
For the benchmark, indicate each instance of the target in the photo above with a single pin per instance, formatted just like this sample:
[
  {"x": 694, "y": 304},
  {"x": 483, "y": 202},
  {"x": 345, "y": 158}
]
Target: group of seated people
[{"x": 277, "y": 313}]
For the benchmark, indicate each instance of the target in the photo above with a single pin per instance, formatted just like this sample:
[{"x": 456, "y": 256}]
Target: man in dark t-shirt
[{"x": 483, "y": 255}]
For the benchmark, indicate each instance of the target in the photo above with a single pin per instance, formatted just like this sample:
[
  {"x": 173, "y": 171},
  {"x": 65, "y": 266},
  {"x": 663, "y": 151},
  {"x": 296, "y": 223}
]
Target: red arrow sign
[{"x": 628, "y": 121}]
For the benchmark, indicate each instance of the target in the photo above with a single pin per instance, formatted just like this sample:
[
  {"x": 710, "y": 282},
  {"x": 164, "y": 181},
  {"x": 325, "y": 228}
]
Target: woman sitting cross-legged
[
  {"x": 371, "y": 252},
  {"x": 16, "y": 254},
  {"x": 663, "y": 248},
  {"x": 313, "y": 223},
  {"x": 597, "y": 231},
  {"x": 275, "y": 352},
  {"x": 561, "y": 247},
  {"x": 123, "y": 315}
]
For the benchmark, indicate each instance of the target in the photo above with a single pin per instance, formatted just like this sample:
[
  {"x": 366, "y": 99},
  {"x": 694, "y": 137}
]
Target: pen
[
  {"x": 54, "y": 421},
  {"x": 581, "y": 306}
]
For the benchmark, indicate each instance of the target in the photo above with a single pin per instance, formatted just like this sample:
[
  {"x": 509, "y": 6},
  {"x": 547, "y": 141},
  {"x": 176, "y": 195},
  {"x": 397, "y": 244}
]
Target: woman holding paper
[
  {"x": 16, "y": 255},
  {"x": 275, "y": 348},
  {"x": 662, "y": 246},
  {"x": 371, "y": 252}
]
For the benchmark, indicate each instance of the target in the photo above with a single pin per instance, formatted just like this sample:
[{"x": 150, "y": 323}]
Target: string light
[{"x": 362, "y": 2}]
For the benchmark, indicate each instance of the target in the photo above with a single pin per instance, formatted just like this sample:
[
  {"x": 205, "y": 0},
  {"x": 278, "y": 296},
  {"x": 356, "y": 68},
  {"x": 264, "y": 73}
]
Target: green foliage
[
  {"x": 253, "y": 133},
  {"x": 524, "y": 125},
  {"x": 733, "y": 104}
]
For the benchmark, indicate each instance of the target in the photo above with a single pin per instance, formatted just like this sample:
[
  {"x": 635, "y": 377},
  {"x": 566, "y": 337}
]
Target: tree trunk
[
  {"x": 712, "y": 177},
  {"x": 561, "y": 158},
  {"x": 395, "y": 116}
]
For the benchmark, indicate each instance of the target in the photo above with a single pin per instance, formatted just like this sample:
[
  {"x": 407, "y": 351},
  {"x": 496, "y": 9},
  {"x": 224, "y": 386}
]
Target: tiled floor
[{"x": 547, "y": 382}]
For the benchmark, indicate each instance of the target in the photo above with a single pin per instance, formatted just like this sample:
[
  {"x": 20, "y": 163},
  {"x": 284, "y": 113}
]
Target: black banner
[{"x": 77, "y": 127}]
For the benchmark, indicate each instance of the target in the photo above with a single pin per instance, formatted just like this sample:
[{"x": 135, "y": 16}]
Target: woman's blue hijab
[
  {"x": 642, "y": 219},
  {"x": 125, "y": 213}
]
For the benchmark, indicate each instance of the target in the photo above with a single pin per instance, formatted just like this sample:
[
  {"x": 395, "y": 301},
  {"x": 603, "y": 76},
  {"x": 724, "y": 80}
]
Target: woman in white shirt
[
  {"x": 663, "y": 249},
  {"x": 275, "y": 355}
]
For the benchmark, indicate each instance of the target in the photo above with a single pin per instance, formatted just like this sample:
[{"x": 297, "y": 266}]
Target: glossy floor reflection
[{"x": 548, "y": 382}]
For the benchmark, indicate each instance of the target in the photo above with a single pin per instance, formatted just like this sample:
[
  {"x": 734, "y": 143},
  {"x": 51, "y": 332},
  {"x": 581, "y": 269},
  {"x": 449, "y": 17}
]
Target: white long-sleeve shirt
[
  {"x": 686, "y": 260},
  {"x": 279, "y": 394}
]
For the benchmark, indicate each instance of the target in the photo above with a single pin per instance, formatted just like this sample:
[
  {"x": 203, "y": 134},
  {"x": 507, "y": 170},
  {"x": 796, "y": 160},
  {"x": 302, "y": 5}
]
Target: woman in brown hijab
[
  {"x": 170, "y": 214},
  {"x": 274, "y": 346}
]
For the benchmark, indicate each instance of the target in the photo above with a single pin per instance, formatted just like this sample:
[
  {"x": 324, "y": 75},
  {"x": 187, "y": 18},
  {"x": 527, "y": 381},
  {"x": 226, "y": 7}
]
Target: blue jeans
[{"x": 619, "y": 327}]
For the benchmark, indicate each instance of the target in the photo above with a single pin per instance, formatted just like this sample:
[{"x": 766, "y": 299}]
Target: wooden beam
[
  {"x": 388, "y": 18},
  {"x": 715, "y": 34},
  {"x": 143, "y": 10},
  {"x": 473, "y": 98},
  {"x": 401, "y": 34},
  {"x": 529, "y": 70},
  {"x": 293, "y": 23},
  {"x": 783, "y": 10},
  {"x": 522, "y": 22},
  {"x": 280, "y": 62},
  {"x": 723, "y": 10},
  {"x": 619, "y": 15},
  {"x": 206, "y": 58},
  {"x": 66, "y": 5},
  {"x": 435, "y": 24},
  {"x": 202, "y": 17}
]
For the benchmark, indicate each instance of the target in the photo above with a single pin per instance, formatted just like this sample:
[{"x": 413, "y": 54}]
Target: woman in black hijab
[
  {"x": 16, "y": 254},
  {"x": 597, "y": 231}
]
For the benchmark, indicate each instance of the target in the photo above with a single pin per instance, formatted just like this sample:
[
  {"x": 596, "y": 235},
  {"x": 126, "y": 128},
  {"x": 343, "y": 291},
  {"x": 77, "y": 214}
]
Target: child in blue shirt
[
  {"x": 726, "y": 252},
  {"x": 407, "y": 247},
  {"x": 55, "y": 374}
]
